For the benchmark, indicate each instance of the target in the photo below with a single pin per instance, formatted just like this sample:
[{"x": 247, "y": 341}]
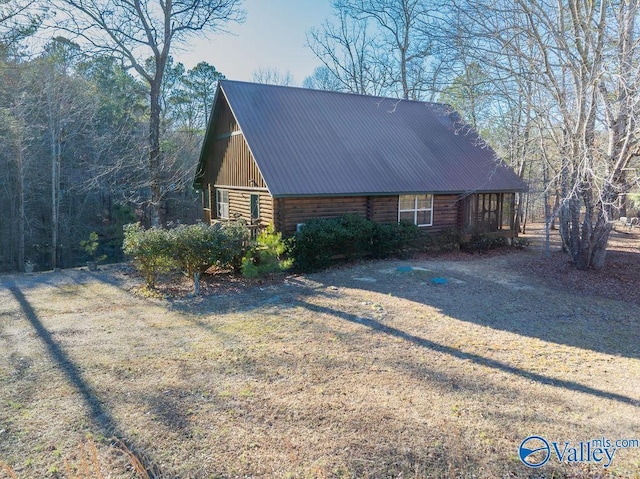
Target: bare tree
[
  {"x": 322, "y": 79},
  {"x": 142, "y": 34},
  {"x": 349, "y": 54},
  {"x": 12, "y": 136},
  {"x": 582, "y": 59},
  {"x": 272, "y": 76},
  {"x": 17, "y": 20},
  {"x": 402, "y": 35}
]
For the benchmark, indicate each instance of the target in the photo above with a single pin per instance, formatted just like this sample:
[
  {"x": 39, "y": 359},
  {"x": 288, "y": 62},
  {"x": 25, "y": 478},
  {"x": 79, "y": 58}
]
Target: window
[
  {"x": 206, "y": 197},
  {"x": 416, "y": 209},
  {"x": 222, "y": 204},
  {"x": 255, "y": 207}
]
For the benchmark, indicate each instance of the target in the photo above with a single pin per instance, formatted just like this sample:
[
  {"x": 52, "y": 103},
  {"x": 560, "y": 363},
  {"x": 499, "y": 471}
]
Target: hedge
[{"x": 321, "y": 242}]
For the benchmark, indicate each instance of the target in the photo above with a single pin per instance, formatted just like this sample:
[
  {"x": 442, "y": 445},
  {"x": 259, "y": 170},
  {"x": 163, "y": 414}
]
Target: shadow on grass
[
  {"x": 475, "y": 358},
  {"x": 503, "y": 297},
  {"x": 100, "y": 416}
]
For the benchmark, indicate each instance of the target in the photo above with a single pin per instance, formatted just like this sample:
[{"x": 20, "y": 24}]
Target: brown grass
[{"x": 361, "y": 371}]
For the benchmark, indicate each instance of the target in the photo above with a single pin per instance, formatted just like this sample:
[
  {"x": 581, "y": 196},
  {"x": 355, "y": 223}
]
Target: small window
[
  {"x": 416, "y": 209},
  {"x": 222, "y": 204},
  {"x": 206, "y": 197},
  {"x": 255, "y": 207}
]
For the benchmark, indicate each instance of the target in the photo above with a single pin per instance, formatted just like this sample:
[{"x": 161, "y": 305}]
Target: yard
[{"x": 371, "y": 370}]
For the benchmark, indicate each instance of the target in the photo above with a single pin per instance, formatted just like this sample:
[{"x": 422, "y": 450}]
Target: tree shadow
[
  {"x": 507, "y": 299},
  {"x": 100, "y": 416},
  {"x": 475, "y": 358}
]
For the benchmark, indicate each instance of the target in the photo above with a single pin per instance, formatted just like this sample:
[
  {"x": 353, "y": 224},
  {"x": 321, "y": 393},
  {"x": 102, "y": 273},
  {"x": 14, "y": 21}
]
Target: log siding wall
[
  {"x": 288, "y": 212},
  {"x": 445, "y": 212},
  {"x": 240, "y": 206},
  {"x": 291, "y": 211}
]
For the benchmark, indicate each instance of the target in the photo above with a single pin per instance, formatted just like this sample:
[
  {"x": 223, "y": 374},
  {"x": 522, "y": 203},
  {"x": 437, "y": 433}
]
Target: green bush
[
  {"x": 323, "y": 241},
  {"x": 521, "y": 243},
  {"x": 447, "y": 240},
  {"x": 266, "y": 255},
  {"x": 395, "y": 239},
  {"x": 481, "y": 243},
  {"x": 318, "y": 242},
  {"x": 150, "y": 250},
  {"x": 191, "y": 249},
  {"x": 236, "y": 244},
  {"x": 197, "y": 247}
]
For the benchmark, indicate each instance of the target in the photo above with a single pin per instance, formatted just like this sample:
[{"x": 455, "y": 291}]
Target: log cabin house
[{"x": 284, "y": 155}]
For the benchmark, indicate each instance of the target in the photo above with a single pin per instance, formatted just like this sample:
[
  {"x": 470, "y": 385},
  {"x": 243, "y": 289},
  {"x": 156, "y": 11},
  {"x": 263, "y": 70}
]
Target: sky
[{"x": 273, "y": 36}]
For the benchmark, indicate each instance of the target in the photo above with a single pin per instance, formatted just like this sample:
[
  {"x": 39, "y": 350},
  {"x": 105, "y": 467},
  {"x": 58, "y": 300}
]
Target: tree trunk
[
  {"x": 599, "y": 253},
  {"x": 155, "y": 174},
  {"x": 593, "y": 251},
  {"x": 55, "y": 184},
  {"x": 196, "y": 283},
  {"x": 547, "y": 210},
  {"x": 20, "y": 194}
]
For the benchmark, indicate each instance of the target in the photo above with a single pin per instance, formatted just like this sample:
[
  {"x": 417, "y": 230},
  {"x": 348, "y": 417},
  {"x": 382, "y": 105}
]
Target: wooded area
[
  {"x": 96, "y": 136},
  {"x": 552, "y": 86},
  {"x": 101, "y": 127}
]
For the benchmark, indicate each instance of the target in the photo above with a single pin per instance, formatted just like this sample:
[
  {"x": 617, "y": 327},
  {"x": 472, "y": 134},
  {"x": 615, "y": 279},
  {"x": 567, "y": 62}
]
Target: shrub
[
  {"x": 266, "y": 255},
  {"x": 448, "y": 240},
  {"x": 90, "y": 247},
  {"x": 197, "y": 247},
  {"x": 395, "y": 239},
  {"x": 191, "y": 249},
  {"x": 521, "y": 243},
  {"x": 480, "y": 243},
  {"x": 236, "y": 244},
  {"x": 323, "y": 241},
  {"x": 150, "y": 250}
]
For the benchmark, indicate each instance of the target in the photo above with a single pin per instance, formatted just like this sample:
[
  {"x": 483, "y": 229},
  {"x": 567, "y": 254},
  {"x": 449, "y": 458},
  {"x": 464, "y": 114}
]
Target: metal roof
[{"x": 316, "y": 142}]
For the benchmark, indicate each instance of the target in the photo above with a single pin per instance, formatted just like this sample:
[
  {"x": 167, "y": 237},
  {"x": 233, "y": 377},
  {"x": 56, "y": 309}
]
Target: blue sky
[{"x": 273, "y": 36}]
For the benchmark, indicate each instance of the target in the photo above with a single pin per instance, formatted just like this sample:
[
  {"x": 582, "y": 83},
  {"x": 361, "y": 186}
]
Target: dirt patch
[
  {"x": 618, "y": 280},
  {"x": 370, "y": 370}
]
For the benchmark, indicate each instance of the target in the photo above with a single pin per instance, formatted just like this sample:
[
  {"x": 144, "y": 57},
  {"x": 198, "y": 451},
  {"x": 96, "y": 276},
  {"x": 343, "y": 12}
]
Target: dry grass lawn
[{"x": 359, "y": 372}]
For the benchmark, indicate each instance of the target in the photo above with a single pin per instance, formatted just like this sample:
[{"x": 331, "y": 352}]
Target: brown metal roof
[{"x": 315, "y": 142}]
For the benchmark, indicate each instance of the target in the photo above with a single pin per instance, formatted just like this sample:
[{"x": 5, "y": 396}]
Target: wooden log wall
[
  {"x": 384, "y": 209},
  {"x": 380, "y": 209},
  {"x": 291, "y": 211},
  {"x": 240, "y": 204},
  {"x": 445, "y": 212}
]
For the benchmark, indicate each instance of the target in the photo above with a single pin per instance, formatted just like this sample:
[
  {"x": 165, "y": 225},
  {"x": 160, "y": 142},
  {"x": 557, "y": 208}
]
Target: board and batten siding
[{"x": 230, "y": 162}]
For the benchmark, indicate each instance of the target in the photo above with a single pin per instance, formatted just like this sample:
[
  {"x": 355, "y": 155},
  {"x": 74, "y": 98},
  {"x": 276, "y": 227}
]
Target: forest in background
[
  {"x": 101, "y": 127},
  {"x": 73, "y": 135}
]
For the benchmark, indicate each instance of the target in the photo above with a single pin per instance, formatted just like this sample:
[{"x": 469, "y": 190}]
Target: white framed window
[
  {"x": 416, "y": 209},
  {"x": 222, "y": 204}
]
